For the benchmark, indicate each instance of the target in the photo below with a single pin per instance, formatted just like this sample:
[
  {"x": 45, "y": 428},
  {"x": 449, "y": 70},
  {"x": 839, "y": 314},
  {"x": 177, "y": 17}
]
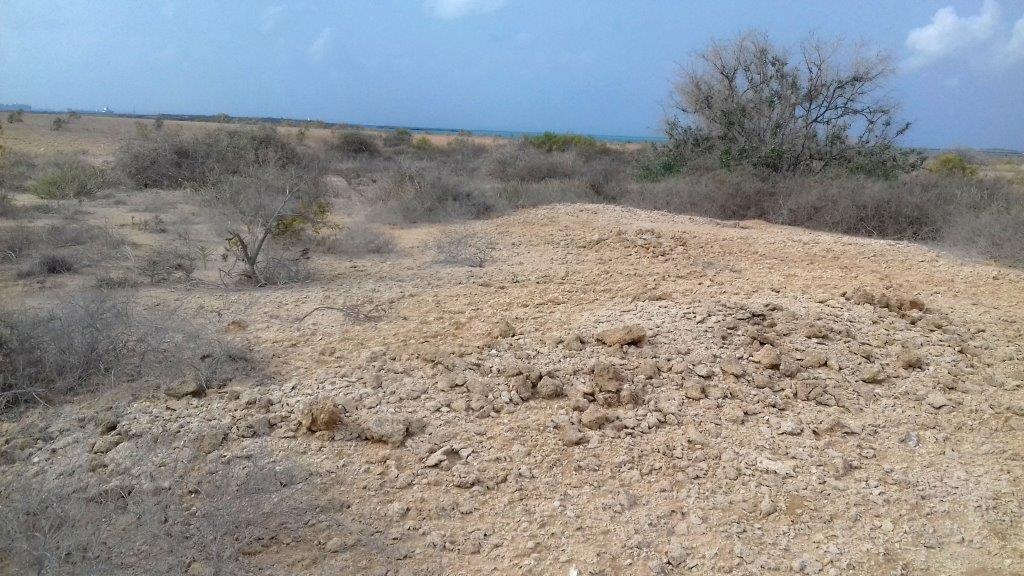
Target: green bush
[
  {"x": 656, "y": 163},
  {"x": 354, "y": 143},
  {"x": 552, "y": 142},
  {"x": 67, "y": 179},
  {"x": 952, "y": 164}
]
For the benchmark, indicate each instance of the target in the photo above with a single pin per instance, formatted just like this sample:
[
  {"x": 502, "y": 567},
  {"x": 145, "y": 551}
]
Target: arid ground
[{"x": 607, "y": 390}]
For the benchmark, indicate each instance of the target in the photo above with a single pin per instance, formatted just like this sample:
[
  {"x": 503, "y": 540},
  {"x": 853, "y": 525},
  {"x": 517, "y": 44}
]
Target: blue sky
[{"x": 589, "y": 66}]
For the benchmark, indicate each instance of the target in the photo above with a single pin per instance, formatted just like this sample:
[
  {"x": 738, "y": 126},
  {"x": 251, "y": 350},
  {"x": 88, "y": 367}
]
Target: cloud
[
  {"x": 321, "y": 46},
  {"x": 452, "y": 9},
  {"x": 949, "y": 33},
  {"x": 1014, "y": 49},
  {"x": 271, "y": 15}
]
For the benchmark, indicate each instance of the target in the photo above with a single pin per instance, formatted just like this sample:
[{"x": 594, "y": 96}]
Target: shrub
[
  {"x": 263, "y": 205},
  {"x": 353, "y": 143},
  {"x": 527, "y": 164},
  {"x": 7, "y": 207},
  {"x": 985, "y": 217},
  {"x": 524, "y": 195},
  {"x": 51, "y": 245},
  {"x": 358, "y": 239},
  {"x": 952, "y": 164},
  {"x": 102, "y": 337},
  {"x": 552, "y": 142},
  {"x": 461, "y": 247},
  {"x": 58, "y": 123},
  {"x": 430, "y": 195},
  {"x": 656, "y": 163},
  {"x": 166, "y": 263},
  {"x": 281, "y": 271},
  {"x": 424, "y": 144},
  {"x": 15, "y": 116},
  {"x": 68, "y": 178},
  {"x": 56, "y": 352},
  {"x": 165, "y": 159},
  {"x": 16, "y": 169},
  {"x": 50, "y": 264},
  {"x": 398, "y": 137}
]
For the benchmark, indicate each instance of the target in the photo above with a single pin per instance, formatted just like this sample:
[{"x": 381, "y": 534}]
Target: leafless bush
[
  {"x": 461, "y": 247},
  {"x": 167, "y": 159},
  {"x": 61, "y": 350},
  {"x": 17, "y": 241},
  {"x": 49, "y": 529},
  {"x": 90, "y": 243},
  {"x": 282, "y": 270},
  {"x": 357, "y": 239},
  {"x": 7, "y": 207},
  {"x": 16, "y": 169},
  {"x": 398, "y": 137},
  {"x": 101, "y": 338}
]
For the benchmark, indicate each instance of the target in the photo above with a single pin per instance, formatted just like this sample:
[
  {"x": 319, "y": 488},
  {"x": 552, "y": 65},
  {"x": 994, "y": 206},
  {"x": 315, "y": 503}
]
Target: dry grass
[
  {"x": 98, "y": 339},
  {"x": 461, "y": 247},
  {"x": 357, "y": 239}
]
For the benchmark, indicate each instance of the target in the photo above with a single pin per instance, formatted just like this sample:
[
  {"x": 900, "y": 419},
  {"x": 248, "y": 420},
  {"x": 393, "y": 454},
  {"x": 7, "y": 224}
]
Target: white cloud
[
  {"x": 1014, "y": 49},
  {"x": 949, "y": 33},
  {"x": 321, "y": 46},
  {"x": 271, "y": 15},
  {"x": 451, "y": 9}
]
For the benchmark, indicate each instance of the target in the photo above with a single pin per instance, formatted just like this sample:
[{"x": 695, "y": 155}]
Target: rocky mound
[{"x": 537, "y": 418}]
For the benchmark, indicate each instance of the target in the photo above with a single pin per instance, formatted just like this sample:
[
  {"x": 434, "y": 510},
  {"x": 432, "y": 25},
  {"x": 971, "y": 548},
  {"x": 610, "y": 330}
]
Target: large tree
[{"x": 755, "y": 103}]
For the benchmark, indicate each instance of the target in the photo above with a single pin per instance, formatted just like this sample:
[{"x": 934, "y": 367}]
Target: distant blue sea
[{"x": 517, "y": 134}]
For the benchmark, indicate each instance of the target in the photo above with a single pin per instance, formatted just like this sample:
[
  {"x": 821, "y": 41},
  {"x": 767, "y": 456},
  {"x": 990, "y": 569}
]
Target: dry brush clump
[
  {"x": 16, "y": 169},
  {"x": 984, "y": 217},
  {"x": 58, "y": 248},
  {"x": 463, "y": 247},
  {"x": 169, "y": 159},
  {"x": 425, "y": 193},
  {"x": 102, "y": 339},
  {"x": 357, "y": 239}
]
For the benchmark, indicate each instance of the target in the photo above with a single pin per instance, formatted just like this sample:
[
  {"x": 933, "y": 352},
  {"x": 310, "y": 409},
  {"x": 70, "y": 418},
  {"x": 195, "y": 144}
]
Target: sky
[{"x": 584, "y": 66}]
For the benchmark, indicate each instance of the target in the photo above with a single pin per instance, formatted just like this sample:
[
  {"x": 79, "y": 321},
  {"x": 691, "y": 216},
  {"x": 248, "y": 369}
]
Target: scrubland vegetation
[
  {"x": 759, "y": 133},
  {"x": 267, "y": 195}
]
